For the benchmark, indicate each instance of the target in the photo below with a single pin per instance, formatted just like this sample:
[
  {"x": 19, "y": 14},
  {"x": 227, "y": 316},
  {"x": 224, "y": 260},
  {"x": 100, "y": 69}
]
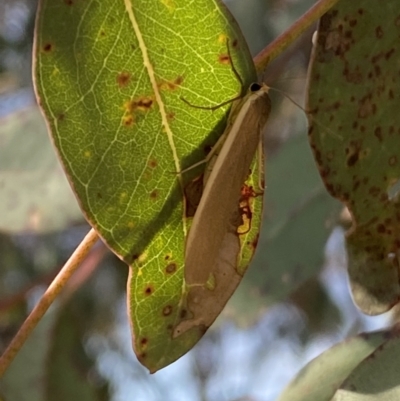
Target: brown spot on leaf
[
  {"x": 254, "y": 243},
  {"x": 171, "y": 116},
  {"x": 171, "y": 268},
  {"x": 152, "y": 163},
  {"x": 69, "y": 2},
  {"x": 143, "y": 103},
  {"x": 167, "y": 310},
  {"x": 353, "y": 158},
  {"x": 128, "y": 120},
  {"x": 61, "y": 117},
  {"x": 144, "y": 341},
  {"x": 149, "y": 289},
  {"x": 224, "y": 58},
  {"x": 366, "y": 107},
  {"x": 381, "y": 229},
  {"x": 378, "y": 133},
  {"x": 393, "y": 161},
  {"x": 183, "y": 313},
  {"x": 154, "y": 194},
  {"x": 48, "y": 47},
  {"x": 171, "y": 85},
  {"x": 389, "y": 54},
  {"x": 379, "y": 32},
  {"x": 123, "y": 79},
  {"x": 134, "y": 257}
]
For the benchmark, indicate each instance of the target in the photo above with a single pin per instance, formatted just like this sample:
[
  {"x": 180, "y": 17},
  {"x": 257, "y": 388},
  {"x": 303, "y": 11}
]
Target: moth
[{"x": 213, "y": 243}]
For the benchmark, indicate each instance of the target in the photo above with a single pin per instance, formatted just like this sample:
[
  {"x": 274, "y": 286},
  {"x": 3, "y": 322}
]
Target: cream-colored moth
[{"x": 213, "y": 244}]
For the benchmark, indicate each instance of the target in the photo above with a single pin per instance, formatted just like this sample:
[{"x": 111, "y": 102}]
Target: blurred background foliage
[{"x": 292, "y": 305}]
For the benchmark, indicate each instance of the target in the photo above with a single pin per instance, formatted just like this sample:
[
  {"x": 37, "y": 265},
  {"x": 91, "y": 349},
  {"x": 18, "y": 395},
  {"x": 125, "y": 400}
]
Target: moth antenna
[{"x": 307, "y": 113}]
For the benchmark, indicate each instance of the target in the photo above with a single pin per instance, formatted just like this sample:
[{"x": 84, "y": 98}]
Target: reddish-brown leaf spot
[
  {"x": 254, "y": 243},
  {"x": 149, "y": 289},
  {"x": 133, "y": 258},
  {"x": 171, "y": 268},
  {"x": 152, "y": 163},
  {"x": 143, "y": 342},
  {"x": 366, "y": 107},
  {"x": 378, "y": 133},
  {"x": 128, "y": 120},
  {"x": 353, "y": 23},
  {"x": 142, "y": 104},
  {"x": 48, "y": 47},
  {"x": 61, "y": 117},
  {"x": 170, "y": 116},
  {"x": 389, "y": 54},
  {"x": 123, "y": 79},
  {"x": 381, "y": 229},
  {"x": 154, "y": 194},
  {"x": 69, "y": 2},
  {"x": 167, "y": 310},
  {"x": 224, "y": 59},
  {"x": 171, "y": 85},
  {"x": 183, "y": 313},
  {"x": 393, "y": 161}
]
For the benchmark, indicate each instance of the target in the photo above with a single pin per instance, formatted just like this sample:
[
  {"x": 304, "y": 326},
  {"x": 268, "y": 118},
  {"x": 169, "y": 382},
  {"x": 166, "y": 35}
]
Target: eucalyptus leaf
[{"x": 353, "y": 107}]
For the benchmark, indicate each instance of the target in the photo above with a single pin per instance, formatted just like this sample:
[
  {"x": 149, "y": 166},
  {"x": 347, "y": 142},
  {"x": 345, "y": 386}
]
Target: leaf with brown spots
[
  {"x": 118, "y": 74},
  {"x": 355, "y": 136}
]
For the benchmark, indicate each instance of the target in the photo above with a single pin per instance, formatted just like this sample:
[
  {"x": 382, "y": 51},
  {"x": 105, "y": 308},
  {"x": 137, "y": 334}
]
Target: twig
[{"x": 283, "y": 41}]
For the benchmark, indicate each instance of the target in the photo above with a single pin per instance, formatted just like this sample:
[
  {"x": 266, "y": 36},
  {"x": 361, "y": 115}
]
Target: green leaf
[
  {"x": 35, "y": 192},
  {"x": 110, "y": 80},
  {"x": 321, "y": 377},
  {"x": 355, "y": 137},
  {"x": 376, "y": 377}
]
